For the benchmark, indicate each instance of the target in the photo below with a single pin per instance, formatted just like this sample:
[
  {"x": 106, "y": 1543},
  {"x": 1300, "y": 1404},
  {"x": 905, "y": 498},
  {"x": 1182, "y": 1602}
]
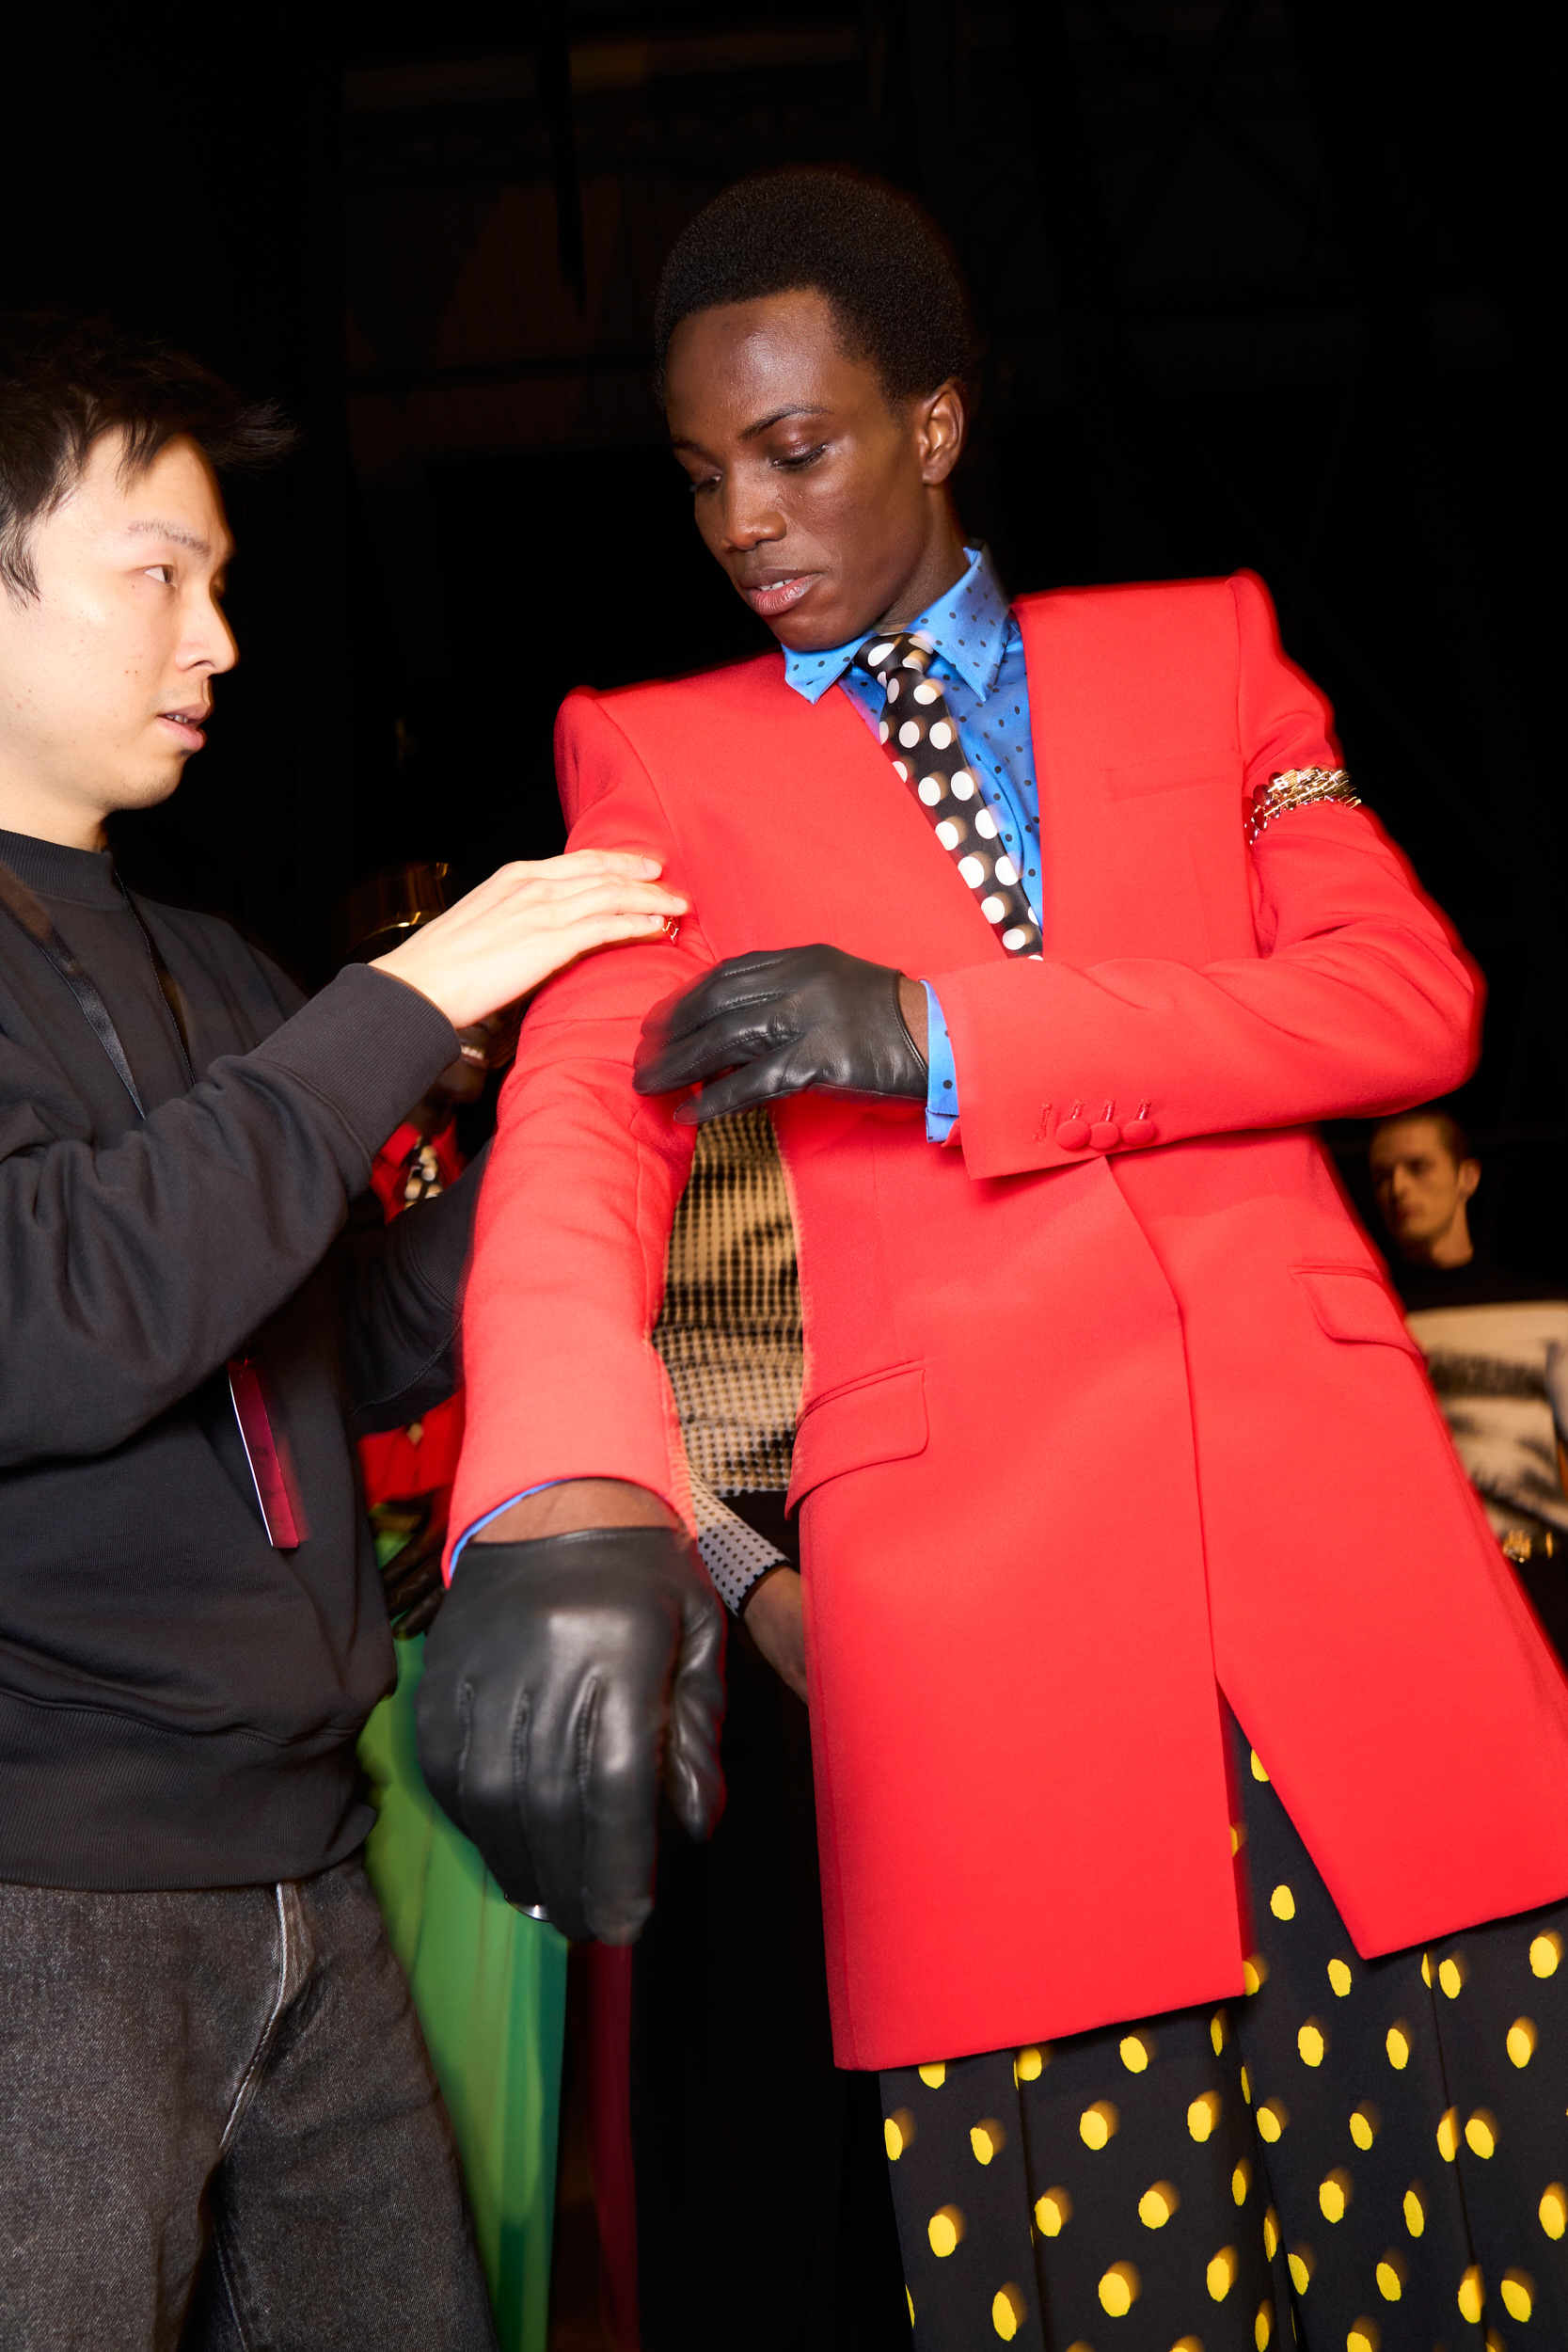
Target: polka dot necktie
[{"x": 922, "y": 739}]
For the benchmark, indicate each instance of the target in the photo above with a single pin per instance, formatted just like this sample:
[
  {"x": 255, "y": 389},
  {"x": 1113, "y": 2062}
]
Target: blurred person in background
[
  {"x": 220, "y": 2121},
  {"x": 1496, "y": 1344}
]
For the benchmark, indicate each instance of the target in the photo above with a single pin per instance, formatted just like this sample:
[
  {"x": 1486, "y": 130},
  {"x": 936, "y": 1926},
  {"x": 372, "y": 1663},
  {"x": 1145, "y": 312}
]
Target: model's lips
[
  {"x": 187, "y": 725},
  {"x": 779, "y": 594}
]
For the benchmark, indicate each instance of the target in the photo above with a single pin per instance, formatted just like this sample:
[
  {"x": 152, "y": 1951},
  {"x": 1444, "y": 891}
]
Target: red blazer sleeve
[
  {"x": 1358, "y": 1002},
  {"x": 580, "y": 1191}
]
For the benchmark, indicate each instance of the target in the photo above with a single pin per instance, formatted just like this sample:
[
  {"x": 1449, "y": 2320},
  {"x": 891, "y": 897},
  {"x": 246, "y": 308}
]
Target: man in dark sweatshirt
[{"x": 218, "y": 2124}]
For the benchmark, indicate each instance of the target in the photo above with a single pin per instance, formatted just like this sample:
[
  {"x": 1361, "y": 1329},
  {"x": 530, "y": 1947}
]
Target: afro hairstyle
[{"x": 879, "y": 259}]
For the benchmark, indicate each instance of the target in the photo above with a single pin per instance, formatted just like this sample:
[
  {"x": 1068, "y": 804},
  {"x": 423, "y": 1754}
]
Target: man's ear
[
  {"x": 1469, "y": 1177},
  {"x": 940, "y": 423}
]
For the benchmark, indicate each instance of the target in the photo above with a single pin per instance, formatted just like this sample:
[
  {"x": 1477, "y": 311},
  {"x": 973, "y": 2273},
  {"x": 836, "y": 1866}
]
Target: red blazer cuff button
[
  {"x": 1073, "y": 1134},
  {"x": 1104, "y": 1135},
  {"x": 1140, "y": 1131}
]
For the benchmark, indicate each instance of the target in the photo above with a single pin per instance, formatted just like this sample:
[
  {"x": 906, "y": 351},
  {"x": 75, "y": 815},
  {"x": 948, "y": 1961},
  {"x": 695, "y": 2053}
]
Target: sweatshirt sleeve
[
  {"x": 134, "y": 1270},
  {"x": 1359, "y": 1001},
  {"x": 400, "y": 1321}
]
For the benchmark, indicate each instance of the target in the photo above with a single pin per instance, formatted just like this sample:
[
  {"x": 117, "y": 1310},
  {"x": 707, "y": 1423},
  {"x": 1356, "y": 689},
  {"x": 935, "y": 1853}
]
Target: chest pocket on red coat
[
  {"x": 1350, "y": 1303},
  {"x": 879, "y": 1418}
]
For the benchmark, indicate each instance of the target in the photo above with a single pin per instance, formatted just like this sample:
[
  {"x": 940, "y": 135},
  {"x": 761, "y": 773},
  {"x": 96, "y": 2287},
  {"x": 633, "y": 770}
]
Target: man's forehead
[{"x": 1412, "y": 1139}]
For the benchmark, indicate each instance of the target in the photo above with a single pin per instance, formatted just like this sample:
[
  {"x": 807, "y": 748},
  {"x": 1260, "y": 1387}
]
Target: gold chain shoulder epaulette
[{"x": 1297, "y": 788}]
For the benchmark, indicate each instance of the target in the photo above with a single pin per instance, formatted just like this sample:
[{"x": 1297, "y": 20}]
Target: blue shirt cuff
[
  {"x": 942, "y": 1087},
  {"x": 470, "y": 1533}
]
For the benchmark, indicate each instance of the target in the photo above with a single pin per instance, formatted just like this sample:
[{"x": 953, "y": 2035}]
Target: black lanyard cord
[{"x": 31, "y": 917}]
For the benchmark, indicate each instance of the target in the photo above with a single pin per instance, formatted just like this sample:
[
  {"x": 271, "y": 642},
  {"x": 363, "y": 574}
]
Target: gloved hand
[
  {"x": 558, "y": 1677},
  {"x": 795, "y": 1017}
]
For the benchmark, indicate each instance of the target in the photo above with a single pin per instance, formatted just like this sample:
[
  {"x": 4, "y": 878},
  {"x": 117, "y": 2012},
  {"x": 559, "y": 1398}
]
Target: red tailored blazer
[{"x": 1086, "y": 1433}]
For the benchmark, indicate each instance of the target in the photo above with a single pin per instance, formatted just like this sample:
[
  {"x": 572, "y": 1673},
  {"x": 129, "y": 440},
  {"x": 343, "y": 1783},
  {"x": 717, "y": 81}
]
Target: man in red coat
[{"x": 1158, "y": 1651}]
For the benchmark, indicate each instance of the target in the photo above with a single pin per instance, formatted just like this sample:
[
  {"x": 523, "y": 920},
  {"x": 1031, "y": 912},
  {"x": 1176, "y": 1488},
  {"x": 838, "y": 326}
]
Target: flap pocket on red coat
[
  {"x": 881, "y": 1419},
  {"x": 1218, "y": 769},
  {"x": 1350, "y": 1303}
]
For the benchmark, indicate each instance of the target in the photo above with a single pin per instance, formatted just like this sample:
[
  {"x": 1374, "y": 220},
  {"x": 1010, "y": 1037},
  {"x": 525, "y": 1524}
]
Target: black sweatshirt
[{"x": 179, "y": 1702}]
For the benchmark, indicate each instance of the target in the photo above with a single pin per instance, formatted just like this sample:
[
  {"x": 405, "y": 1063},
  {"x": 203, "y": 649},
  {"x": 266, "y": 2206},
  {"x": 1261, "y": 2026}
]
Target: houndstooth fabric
[
  {"x": 729, "y": 1332},
  {"x": 729, "y": 1328}
]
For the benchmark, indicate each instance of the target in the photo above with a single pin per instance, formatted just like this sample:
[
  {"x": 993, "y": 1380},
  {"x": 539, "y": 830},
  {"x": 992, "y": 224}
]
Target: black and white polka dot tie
[{"x": 922, "y": 739}]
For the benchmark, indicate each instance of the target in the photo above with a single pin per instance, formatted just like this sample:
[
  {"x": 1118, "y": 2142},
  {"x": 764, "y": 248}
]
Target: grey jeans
[{"x": 219, "y": 2129}]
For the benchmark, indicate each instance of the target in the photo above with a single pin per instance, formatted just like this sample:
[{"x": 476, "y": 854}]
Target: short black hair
[
  {"x": 882, "y": 261},
  {"x": 1455, "y": 1142},
  {"x": 65, "y": 382}
]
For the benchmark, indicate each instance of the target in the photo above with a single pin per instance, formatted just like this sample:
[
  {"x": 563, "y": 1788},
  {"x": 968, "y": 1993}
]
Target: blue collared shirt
[{"x": 978, "y": 662}]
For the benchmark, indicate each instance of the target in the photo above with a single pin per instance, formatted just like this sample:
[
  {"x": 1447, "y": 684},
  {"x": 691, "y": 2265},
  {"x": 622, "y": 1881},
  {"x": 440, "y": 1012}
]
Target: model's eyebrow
[
  {"x": 763, "y": 425},
  {"x": 151, "y": 527}
]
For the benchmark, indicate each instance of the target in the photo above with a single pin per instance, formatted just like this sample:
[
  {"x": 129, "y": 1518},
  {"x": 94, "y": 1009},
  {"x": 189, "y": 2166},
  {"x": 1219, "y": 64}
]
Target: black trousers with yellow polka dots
[{"x": 1358, "y": 2157}]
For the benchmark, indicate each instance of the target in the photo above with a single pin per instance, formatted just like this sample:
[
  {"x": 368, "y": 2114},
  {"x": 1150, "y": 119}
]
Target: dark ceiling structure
[{"x": 1260, "y": 283}]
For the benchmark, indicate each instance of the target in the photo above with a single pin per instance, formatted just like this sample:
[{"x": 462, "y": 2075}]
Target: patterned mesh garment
[{"x": 729, "y": 1330}]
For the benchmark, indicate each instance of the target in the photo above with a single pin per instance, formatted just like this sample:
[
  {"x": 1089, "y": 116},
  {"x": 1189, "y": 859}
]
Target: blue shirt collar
[{"x": 968, "y": 626}]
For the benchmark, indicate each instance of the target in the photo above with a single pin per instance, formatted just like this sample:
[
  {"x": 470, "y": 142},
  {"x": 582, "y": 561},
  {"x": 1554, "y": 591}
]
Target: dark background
[{"x": 1262, "y": 283}]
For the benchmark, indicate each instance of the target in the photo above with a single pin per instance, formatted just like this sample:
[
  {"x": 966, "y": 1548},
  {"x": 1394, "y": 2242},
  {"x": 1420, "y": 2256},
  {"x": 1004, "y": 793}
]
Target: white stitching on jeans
[{"x": 247, "y": 2080}]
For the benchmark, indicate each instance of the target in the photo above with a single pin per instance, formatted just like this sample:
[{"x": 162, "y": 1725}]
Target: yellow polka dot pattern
[
  {"x": 1008, "y": 2312},
  {"x": 1335, "y": 2193},
  {"x": 1326, "y": 2152},
  {"x": 1157, "y": 2204},
  {"x": 1120, "y": 2289},
  {"x": 1098, "y": 2125},
  {"x": 945, "y": 2231},
  {"x": 1517, "y": 2290},
  {"x": 1052, "y": 2212}
]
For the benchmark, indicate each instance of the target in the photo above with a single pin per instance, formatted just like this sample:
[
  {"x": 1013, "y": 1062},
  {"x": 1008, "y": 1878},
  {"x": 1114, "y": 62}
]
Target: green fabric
[{"x": 490, "y": 1989}]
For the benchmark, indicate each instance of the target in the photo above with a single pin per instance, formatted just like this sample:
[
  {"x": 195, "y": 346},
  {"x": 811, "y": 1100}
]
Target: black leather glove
[
  {"x": 558, "y": 1678},
  {"x": 795, "y": 1017}
]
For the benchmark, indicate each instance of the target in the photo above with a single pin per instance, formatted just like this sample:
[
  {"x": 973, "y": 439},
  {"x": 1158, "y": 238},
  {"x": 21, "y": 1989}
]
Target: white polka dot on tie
[
  {"x": 909, "y": 734},
  {"x": 893, "y": 690},
  {"x": 883, "y": 731},
  {"x": 1006, "y": 872},
  {"x": 925, "y": 692},
  {"x": 993, "y": 910},
  {"x": 901, "y": 769},
  {"x": 929, "y": 789},
  {"x": 949, "y": 834},
  {"x": 985, "y": 824},
  {"x": 1015, "y": 939},
  {"x": 913, "y": 662},
  {"x": 941, "y": 734},
  {"x": 877, "y": 655},
  {"x": 973, "y": 871},
  {"x": 961, "y": 785}
]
